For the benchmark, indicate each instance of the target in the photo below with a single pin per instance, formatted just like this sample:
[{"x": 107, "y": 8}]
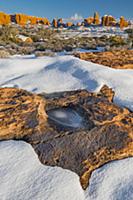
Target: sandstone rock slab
[
  {"x": 115, "y": 59},
  {"x": 105, "y": 134}
]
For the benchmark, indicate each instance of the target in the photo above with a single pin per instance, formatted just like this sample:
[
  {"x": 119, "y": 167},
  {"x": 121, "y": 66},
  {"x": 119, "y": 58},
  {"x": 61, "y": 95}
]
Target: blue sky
[{"x": 61, "y": 8}]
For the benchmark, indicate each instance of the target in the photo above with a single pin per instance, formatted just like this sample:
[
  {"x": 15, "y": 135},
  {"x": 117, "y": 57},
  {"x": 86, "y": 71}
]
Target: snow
[
  {"x": 22, "y": 37},
  {"x": 22, "y": 176},
  {"x": 91, "y": 31},
  {"x": 75, "y": 19},
  {"x": 79, "y": 50},
  {"x": 113, "y": 181},
  {"x": 64, "y": 73}
]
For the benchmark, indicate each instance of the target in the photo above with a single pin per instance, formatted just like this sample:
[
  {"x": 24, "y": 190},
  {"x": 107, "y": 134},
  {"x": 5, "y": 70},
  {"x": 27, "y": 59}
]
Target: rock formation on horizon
[
  {"x": 123, "y": 22},
  {"x": 5, "y": 19},
  {"x": 96, "y": 18},
  {"x": 22, "y": 19},
  {"x": 108, "y": 20}
]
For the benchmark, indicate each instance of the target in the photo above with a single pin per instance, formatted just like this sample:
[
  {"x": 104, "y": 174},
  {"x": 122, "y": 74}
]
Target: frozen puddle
[{"x": 66, "y": 117}]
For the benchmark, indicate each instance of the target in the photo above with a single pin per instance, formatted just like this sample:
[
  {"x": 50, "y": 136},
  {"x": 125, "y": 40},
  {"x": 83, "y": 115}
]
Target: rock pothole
[
  {"x": 76, "y": 130},
  {"x": 66, "y": 117}
]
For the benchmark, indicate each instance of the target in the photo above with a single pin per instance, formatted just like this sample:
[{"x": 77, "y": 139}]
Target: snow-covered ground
[
  {"x": 79, "y": 50},
  {"x": 22, "y": 176},
  {"x": 53, "y": 74},
  {"x": 91, "y": 31}
]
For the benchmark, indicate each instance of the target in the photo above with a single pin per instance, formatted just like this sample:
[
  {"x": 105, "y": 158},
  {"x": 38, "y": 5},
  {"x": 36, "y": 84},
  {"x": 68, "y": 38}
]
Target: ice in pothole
[{"x": 66, "y": 117}]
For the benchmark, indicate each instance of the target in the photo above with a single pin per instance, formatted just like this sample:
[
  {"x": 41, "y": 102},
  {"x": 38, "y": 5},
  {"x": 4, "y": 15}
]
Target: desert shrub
[
  {"x": 4, "y": 54},
  {"x": 43, "y": 53},
  {"x": 41, "y": 47},
  {"x": 25, "y": 50},
  {"x": 129, "y": 31},
  {"x": 8, "y": 33},
  {"x": 35, "y": 38},
  {"x": 42, "y": 34},
  {"x": 117, "y": 41},
  {"x": 130, "y": 34}
]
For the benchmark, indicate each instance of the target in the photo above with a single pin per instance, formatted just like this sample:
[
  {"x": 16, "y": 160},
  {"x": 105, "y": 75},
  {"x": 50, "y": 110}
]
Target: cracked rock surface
[
  {"x": 76, "y": 130},
  {"x": 115, "y": 59}
]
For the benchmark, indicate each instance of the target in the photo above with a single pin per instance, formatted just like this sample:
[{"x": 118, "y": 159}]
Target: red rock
[
  {"x": 54, "y": 23},
  {"x": 4, "y": 19},
  {"x": 69, "y": 24},
  {"x": 21, "y": 113},
  {"x": 22, "y": 20},
  {"x": 96, "y": 18},
  {"x": 123, "y": 22},
  {"x": 103, "y": 133},
  {"x": 108, "y": 21},
  {"x": 89, "y": 21},
  {"x": 116, "y": 59}
]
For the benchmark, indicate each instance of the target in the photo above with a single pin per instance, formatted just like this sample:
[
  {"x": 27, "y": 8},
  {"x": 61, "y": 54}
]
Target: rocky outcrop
[
  {"x": 23, "y": 19},
  {"x": 24, "y": 39},
  {"x": 21, "y": 113},
  {"x": 60, "y": 22},
  {"x": 5, "y": 19},
  {"x": 69, "y": 24},
  {"x": 96, "y": 18},
  {"x": 54, "y": 23},
  {"x": 88, "y": 21},
  {"x": 108, "y": 20},
  {"x": 80, "y": 132},
  {"x": 116, "y": 59},
  {"x": 123, "y": 22}
]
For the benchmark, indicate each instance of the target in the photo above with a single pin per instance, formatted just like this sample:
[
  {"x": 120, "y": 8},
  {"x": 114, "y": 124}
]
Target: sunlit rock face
[
  {"x": 114, "y": 59},
  {"x": 89, "y": 21},
  {"x": 96, "y": 18},
  {"x": 108, "y": 20},
  {"x": 23, "y": 19},
  {"x": 5, "y": 19},
  {"x": 54, "y": 23},
  {"x": 21, "y": 113},
  {"x": 123, "y": 22},
  {"x": 77, "y": 130}
]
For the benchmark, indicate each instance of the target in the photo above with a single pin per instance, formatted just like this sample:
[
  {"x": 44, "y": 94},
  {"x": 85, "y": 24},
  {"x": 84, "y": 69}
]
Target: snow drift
[
  {"x": 22, "y": 176},
  {"x": 63, "y": 73}
]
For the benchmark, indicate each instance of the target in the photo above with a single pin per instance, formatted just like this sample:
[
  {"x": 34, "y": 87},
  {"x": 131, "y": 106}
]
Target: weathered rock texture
[
  {"x": 108, "y": 20},
  {"x": 69, "y": 24},
  {"x": 123, "y": 22},
  {"x": 5, "y": 19},
  {"x": 106, "y": 133},
  {"x": 21, "y": 113},
  {"x": 116, "y": 59},
  {"x": 89, "y": 21},
  {"x": 54, "y": 23},
  {"x": 96, "y": 18},
  {"x": 23, "y": 19}
]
